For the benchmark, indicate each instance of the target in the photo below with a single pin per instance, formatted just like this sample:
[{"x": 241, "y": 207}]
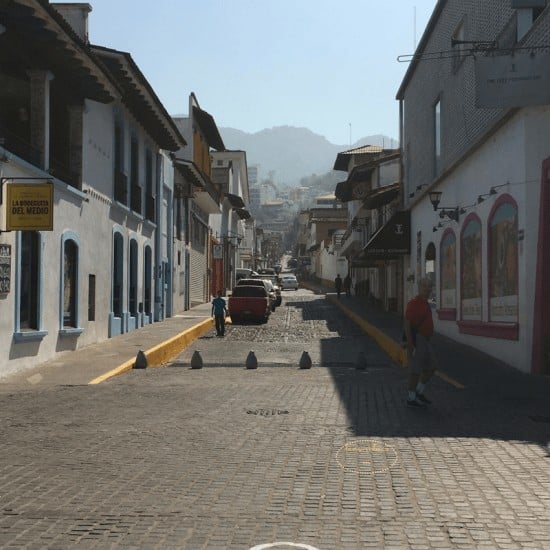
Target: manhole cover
[
  {"x": 266, "y": 412},
  {"x": 366, "y": 455}
]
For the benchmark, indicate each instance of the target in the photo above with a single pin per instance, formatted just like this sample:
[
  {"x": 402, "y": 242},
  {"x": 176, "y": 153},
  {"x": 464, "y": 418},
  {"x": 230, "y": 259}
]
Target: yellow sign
[{"x": 29, "y": 207}]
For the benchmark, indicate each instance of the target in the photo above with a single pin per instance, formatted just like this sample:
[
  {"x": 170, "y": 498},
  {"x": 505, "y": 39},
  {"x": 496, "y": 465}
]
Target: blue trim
[
  {"x": 40, "y": 332},
  {"x": 71, "y": 331},
  {"x": 30, "y": 336}
]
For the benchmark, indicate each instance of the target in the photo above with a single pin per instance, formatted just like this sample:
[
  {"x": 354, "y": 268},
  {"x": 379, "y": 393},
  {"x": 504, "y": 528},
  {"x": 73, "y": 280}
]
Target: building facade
[{"x": 475, "y": 132}]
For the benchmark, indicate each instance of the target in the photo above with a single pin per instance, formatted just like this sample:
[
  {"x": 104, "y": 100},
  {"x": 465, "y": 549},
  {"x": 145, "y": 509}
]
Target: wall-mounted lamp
[
  {"x": 418, "y": 188},
  {"x": 452, "y": 212},
  {"x": 492, "y": 191}
]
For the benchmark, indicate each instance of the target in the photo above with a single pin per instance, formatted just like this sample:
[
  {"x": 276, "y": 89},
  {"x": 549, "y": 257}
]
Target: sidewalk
[
  {"x": 92, "y": 364},
  {"x": 460, "y": 365}
]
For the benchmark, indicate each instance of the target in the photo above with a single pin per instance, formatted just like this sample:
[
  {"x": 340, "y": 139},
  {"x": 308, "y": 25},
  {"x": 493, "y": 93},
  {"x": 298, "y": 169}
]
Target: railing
[
  {"x": 20, "y": 147},
  {"x": 62, "y": 172}
]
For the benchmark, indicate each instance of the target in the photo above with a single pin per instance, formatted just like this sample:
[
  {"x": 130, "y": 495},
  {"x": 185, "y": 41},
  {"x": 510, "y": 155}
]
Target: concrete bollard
[
  {"x": 251, "y": 361},
  {"x": 305, "y": 360},
  {"x": 196, "y": 360},
  {"x": 361, "y": 363},
  {"x": 141, "y": 360}
]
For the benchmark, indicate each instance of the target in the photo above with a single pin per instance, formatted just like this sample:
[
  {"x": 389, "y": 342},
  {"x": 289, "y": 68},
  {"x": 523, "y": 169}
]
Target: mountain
[{"x": 291, "y": 153}]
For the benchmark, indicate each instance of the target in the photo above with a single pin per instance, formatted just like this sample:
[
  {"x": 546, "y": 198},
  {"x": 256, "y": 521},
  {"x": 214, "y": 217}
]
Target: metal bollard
[
  {"x": 251, "y": 361},
  {"x": 196, "y": 360},
  {"x": 305, "y": 360}
]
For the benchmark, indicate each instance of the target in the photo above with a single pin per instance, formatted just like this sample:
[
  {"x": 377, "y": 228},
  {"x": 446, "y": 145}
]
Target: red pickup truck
[{"x": 249, "y": 303}]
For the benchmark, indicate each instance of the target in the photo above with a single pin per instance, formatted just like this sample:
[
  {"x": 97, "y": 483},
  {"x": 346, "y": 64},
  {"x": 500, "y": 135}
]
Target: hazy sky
[{"x": 327, "y": 65}]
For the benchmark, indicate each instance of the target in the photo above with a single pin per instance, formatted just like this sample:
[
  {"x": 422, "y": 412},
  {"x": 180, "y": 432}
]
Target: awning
[
  {"x": 235, "y": 200},
  {"x": 392, "y": 240},
  {"x": 243, "y": 213},
  {"x": 381, "y": 196},
  {"x": 190, "y": 172}
]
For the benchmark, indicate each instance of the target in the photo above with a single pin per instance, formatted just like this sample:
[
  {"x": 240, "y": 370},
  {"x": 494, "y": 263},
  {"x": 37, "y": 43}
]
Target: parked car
[
  {"x": 266, "y": 284},
  {"x": 289, "y": 281},
  {"x": 244, "y": 272},
  {"x": 249, "y": 302},
  {"x": 275, "y": 280}
]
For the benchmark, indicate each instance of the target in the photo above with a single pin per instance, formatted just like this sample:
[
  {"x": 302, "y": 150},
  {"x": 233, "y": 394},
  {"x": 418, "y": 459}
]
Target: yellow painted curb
[
  {"x": 163, "y": 352},
  {"x": 389, "y": 345}
]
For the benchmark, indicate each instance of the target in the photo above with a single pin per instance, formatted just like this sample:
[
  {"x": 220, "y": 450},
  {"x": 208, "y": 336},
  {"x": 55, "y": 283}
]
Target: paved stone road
[{"x": 226, "y": 457}]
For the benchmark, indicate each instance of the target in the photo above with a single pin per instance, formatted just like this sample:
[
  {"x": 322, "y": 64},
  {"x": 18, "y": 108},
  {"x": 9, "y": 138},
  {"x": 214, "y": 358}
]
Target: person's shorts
[{"x": 423, "y": 356}]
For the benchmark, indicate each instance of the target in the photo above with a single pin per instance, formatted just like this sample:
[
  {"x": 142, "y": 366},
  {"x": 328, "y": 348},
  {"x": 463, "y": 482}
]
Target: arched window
[
  {"x": 147, "y": 279},
  {"x": 503, "y": 261},
  {"x": 470, "y": 272},
  {"x": 118, "y": 256},
  {"x": 448, "y": 270},
  {"x": 133, "y": 279},
  {"x": 70, "y": 284}
]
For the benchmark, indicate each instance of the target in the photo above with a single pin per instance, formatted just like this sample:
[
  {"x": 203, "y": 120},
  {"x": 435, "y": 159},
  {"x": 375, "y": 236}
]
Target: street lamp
[{"x": 452, "y": 212}]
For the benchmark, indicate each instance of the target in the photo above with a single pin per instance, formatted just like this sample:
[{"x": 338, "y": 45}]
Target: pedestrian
[
  {"x": 338, "y": 284},
  {"x": 419, "y": 328},
  {"x": 347, "y": 285},
  {"x": 219, "y": 311}
]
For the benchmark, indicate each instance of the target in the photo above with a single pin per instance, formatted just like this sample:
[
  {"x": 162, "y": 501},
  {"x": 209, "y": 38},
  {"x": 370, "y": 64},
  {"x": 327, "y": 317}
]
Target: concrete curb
[
  {"x": 161, "y": 353},
  {"x": 389, "y": 345}
]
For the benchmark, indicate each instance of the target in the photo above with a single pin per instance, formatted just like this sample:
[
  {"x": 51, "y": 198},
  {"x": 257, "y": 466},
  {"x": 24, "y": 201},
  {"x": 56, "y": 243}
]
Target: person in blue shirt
[{"x": 219, "y": 311}]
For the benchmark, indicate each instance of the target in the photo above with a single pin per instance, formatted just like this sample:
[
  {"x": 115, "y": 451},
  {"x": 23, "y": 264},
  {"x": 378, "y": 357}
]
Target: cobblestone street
[{"x": 228, "y": 457}]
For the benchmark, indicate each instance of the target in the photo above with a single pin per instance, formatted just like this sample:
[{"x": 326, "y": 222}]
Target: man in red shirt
[{"x": 419, "y": 328}]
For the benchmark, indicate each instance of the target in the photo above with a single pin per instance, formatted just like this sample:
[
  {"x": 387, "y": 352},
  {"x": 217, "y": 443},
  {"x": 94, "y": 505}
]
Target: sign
[
  {"x": 392, "y": 239},
  {"x": 217, "y": 252},
  {"x": 29, "y": 207},
  {"x": 5, "y": 268},
  {"x": 512, "y": 81}
]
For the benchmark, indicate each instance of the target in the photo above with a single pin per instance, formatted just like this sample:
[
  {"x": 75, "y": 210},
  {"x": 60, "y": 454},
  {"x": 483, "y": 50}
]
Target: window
[
  {"x": 437, "y": 137},
  {"x": 118, "y": 256},
  {"x": 471, "y": 269},
  {"x": 91, "y": 297},
  {"x": 70, "y": 283},
  {"x": 149, "y": 187},
  {"x": 147, "y": 280},
  {"x": 503, "y": 261},
  {"x": 458, "y": 47},
  {"x": 135, "y": 188},
  {"x": 121, "y": 182},
  {"x": 29, "y": 280},
  {"x": 133, "y": 282}
]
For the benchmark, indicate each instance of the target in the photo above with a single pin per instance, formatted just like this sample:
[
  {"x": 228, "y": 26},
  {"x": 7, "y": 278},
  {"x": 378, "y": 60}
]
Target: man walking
[
  {"x": 419, "y": 328},
  {"x": 338, "y": 285},
  {"x": 347, "y": 285},
  {"x": 219, "y": 311}
]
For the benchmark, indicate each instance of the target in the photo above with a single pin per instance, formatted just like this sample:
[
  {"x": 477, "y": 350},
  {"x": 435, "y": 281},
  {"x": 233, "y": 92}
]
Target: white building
[
  {"x": 92, "y": 133},
  {"x": 476, "y": 131}
]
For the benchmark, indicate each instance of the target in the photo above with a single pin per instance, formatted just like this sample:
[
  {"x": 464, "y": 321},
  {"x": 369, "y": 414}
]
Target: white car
[{"x": 289, "y": 282}]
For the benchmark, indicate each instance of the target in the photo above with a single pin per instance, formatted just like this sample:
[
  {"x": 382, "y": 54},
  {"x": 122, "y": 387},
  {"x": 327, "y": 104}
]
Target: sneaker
[
  {"x": 423, "y": 399},
  {"x": 415, "y": 403}
]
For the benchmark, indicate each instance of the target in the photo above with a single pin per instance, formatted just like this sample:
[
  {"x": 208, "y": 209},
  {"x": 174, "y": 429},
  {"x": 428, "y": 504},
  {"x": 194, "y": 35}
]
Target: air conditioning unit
[{"x": 520, "y": 4}]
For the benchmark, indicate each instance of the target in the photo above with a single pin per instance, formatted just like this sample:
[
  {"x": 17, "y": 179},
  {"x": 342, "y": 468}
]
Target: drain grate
[
  {"x": 545, "y": 419},
  {"x": 266, "y": 412}
]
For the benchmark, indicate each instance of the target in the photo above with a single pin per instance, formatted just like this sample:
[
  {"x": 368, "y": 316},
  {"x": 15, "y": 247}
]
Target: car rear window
[
  {"x": 245, "y": 291},
  {"x": 251, "y": 282}
]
